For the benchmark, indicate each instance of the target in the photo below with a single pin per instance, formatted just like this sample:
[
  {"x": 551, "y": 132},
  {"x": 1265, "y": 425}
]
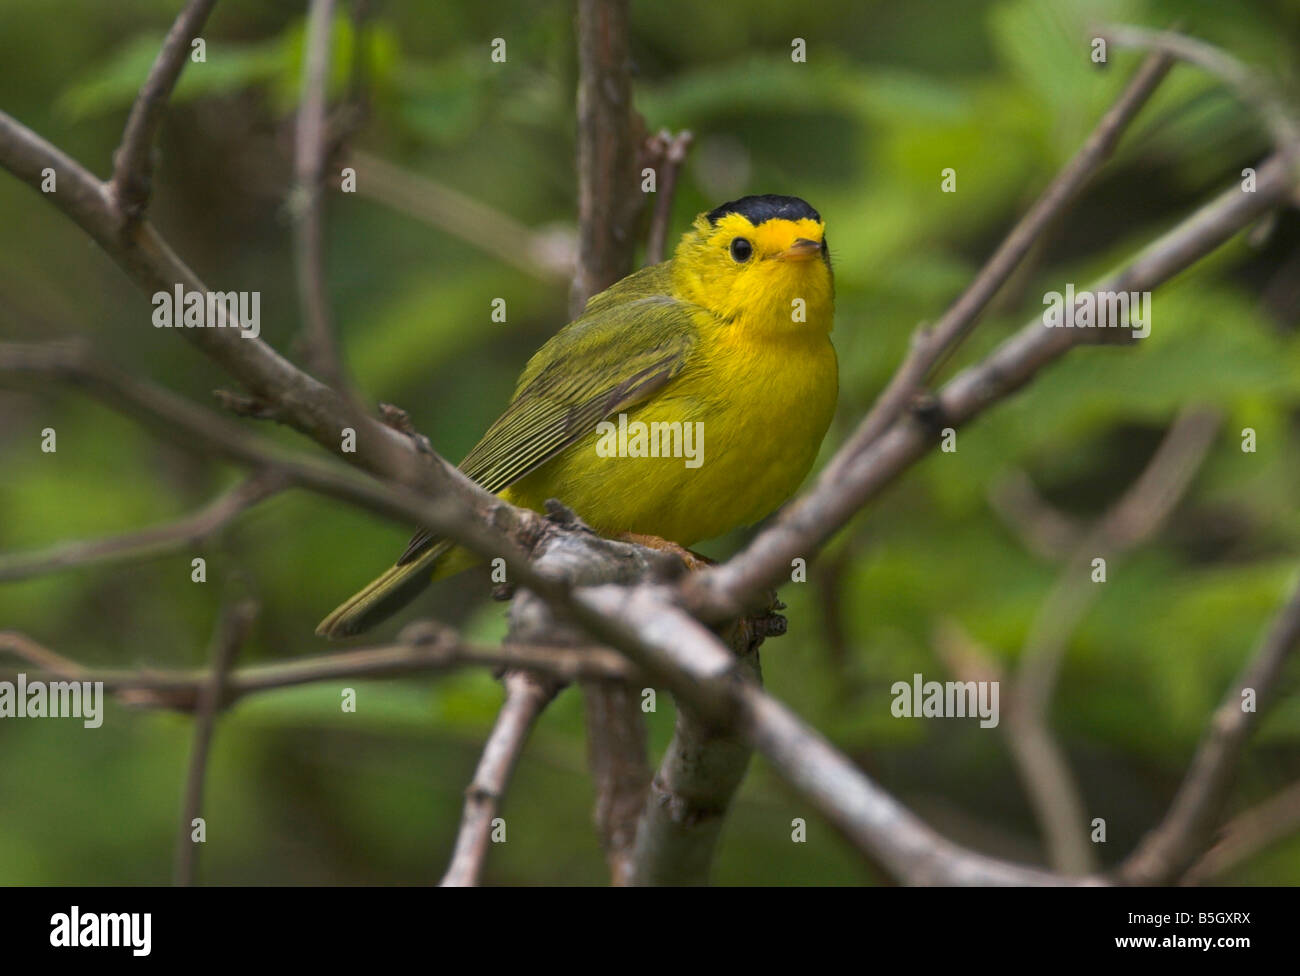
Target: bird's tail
[{"x": 385, "y": 595}]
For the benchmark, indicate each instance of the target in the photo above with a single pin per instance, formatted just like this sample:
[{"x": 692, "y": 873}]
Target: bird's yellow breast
[{"x": 758, "y": 397}]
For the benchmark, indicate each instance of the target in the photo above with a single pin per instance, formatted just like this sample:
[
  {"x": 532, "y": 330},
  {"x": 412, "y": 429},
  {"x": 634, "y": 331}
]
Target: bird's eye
[{"x": 741, "y": 250}]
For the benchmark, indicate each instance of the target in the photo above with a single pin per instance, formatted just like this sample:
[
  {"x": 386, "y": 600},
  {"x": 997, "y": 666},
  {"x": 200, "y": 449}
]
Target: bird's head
[{"x": 753, "y": 258}]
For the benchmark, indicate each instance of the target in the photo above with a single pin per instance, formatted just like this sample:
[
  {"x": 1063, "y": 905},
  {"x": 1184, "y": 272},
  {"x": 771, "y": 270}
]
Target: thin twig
[
  {"x": 526, "y": 697},
  {"x": 232, "y": 631},
  {"x": 145, "y": 544},
  {"x": 496, "y": 528},
  {"x": 22, "y": 646},
  {"x": 1174, "y": 845},
  {"x": 133, "y": 164},
  {"x": 1040, "y": 528},
  {"x": 1249, "y": 86},
  {"x": 668, "y": 152},
  {"x": 1134, "y": 518},
  {"x": 319, "y": 346},
  {"x": 1249, "y": 833},
  {"x": 702, "y": 674},
  {"x": 549, "y": 256},
  {"x": 422, "y": 648}
]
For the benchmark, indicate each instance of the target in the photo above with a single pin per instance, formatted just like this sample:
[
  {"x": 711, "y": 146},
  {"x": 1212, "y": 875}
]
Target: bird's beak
[{"x": 801, "y": 250}]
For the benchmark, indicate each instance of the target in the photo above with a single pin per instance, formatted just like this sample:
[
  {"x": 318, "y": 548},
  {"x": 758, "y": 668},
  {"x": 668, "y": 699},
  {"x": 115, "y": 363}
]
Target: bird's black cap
[{"x": 769, "y": 206}]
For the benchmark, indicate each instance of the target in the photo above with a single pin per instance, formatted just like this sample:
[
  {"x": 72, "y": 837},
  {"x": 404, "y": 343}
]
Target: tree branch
[
  {"x": 496, "y": 528},
  {"x": 133, "y": 164},
  {"x": 668, "y": 152},
  {"x": 693, "y": 789},
  {"x": 422, "y": 647}
]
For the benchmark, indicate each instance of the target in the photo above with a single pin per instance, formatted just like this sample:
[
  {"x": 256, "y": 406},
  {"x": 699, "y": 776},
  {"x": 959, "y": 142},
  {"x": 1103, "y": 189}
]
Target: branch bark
[
  {"x": 700, "y": 774},
  {"x": 423, "y": 647},
  {"x": 132, "y": 180}
]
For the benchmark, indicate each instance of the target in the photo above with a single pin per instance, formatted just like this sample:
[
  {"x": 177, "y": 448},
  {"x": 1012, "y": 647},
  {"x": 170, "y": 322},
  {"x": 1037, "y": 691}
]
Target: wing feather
[{"x": 622, "y": 350}]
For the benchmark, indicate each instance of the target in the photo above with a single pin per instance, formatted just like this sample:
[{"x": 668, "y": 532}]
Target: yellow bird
[{"x": 686, "y": 400}]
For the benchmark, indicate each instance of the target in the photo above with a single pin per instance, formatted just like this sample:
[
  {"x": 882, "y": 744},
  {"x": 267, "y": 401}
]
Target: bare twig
[
  {"x": 231, "y": 632},
  {"x": 668, "y": 152},
  {"x": 545, "y": 255},
  {"x": 319, "y": 345},
  {"x": 526, "y": 696},
  {"x": 22, "y": 646},
  {"x": 1044, "y": 531},
  {"x": 144, "y": 544},
  {"x": 1247, "y": 84},
  {"x": 1172, "y": 847},
  {"x": 422, "y": 648},
  {"x": 133, "y": 165}
]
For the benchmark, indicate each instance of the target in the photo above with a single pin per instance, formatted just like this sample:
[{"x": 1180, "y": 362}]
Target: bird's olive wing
[{"x": 613, "y": 357}]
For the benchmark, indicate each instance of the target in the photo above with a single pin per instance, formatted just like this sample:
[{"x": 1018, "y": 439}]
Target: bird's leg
[{"x": 693, "y": 560}]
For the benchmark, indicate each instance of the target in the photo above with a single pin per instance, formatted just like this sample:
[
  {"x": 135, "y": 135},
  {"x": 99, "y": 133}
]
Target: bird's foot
[{"x": 692, "y": 560}]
